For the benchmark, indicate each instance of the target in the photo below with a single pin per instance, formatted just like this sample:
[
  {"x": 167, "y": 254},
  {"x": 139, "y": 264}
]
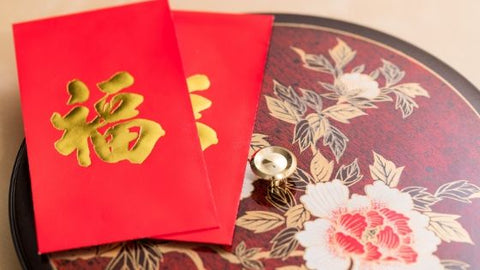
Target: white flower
[
  {"x": 248, "y": 180},
  {"x": 377, "y": 231},
  {"x": 357, "y": 85}
]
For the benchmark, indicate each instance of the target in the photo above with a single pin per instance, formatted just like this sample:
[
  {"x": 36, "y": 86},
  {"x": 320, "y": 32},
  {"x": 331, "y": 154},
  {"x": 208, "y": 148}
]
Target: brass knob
[{"x": 274, "y": 163}]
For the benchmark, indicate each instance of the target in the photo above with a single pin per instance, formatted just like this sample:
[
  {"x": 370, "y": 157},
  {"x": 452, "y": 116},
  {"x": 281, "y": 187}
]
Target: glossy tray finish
[{"x": 386, "y": 138}]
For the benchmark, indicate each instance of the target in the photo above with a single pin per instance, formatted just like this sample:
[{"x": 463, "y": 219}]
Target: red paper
[
  {"x": 100, "y": 196},
  {"x": 231, "y": 51}
]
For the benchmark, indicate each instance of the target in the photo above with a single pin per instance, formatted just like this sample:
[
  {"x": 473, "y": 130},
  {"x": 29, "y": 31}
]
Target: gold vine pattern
[
  {"x": 353, "y": 91},
  {"x": 292, "y": 216}
]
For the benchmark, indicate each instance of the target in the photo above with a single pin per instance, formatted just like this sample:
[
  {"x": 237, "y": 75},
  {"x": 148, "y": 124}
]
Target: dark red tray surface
[{"x": 387, "y": 142}]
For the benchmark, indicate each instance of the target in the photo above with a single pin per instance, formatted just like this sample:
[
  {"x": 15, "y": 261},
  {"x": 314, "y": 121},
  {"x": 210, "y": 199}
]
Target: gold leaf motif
[
  {"x": 299, "y": 180},
  {"x": 385, "y": 171},
  {"x": 321, "y": 168},
  {"x": 243, "y": 253},
  {"x": 284, "y": 243},
  {"x": 349, "y": 174},
  {"x": 240, "y": 249},
  {"x": 343, "y": 112},
  {"x": 460, "y": 190},
  {"x": 361, "y": 102},
  {"x": 296, "y": 216},
  {"x": 281, "y": 110},
  {"x": 358, "y": 69},
  {"x": 260, "y": 221},
  {"x": 303, "y": 134},
  {"x": 336, "y": 140},
  {"x": 312, "y": 99},
  {"x": 383, "y": 97},
  {"x": 318, "y": 124},
  {"x": 405, "y": 104},
  {"x": 185, "y": 249},
  {"x": 330, "y": 87},
  {"x": 331, "y": 96},
  {"x": 281, "y": 198},
  {"x": 245, "y": 256},
  {"x": 257, "y": 142},
  {"x": 78, "y": 92},
  {"x": 447, "y": 228},
  {"x": 141, "y": 254},
  {"x": 422, "y": 199},
  {"x": 342, "y": 54},
  {"x": 314, "y": 62},
  {"x": 288, "y": 95},
  {"x": 391, "y": 72},
  {"x": 108, "y": 250},
  {"x": 374, "y": 74},
  {"x": 411, "y": 89},
  {"x": 252, "y": 264},
  {"x": 454, "y": 265}
]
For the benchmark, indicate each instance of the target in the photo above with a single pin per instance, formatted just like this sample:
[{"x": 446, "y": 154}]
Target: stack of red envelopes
[{"x": 138, "y": 122}]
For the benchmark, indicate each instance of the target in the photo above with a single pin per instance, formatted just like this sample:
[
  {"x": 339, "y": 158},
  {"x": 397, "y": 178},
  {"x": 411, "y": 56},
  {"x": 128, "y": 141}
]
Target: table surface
[{"x": 448, "y": 31}]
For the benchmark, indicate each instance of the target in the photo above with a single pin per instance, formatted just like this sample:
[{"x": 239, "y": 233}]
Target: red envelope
[
  {"x": 224, "y": 58},
  {"x": 110, "y": 131}
]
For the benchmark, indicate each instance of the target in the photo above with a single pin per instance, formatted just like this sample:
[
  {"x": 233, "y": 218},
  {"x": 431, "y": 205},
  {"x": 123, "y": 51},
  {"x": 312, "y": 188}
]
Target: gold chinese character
[
  {"x": 200, "y": 82},
  {"x": 127, "y": 139}
]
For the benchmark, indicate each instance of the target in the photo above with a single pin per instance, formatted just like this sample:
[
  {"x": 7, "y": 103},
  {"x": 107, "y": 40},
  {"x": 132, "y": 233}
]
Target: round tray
[{"x": 384, "y": 132}]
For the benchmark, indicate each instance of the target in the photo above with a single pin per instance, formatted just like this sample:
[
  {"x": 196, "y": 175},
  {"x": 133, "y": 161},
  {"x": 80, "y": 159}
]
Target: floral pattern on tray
[{"x": 332, "y": 214}]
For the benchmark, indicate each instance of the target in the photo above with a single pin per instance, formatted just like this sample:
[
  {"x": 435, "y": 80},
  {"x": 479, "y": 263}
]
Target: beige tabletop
[{"x": 446, "y": 29}]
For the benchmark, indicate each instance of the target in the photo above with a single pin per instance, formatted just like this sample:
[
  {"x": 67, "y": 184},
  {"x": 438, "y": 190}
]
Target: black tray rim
[{"x": 14, "y": 230}]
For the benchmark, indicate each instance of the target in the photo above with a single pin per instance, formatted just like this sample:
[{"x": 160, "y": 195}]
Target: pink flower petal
[
  {"x": 348, "y": 243},
  {"x": 354, "y": 224},
  {"x": 398, "y": 220},
  {"x": 387, "y": 238},
  {"x": 372, "y": 252},
  {"x": 374, "y": 219}
]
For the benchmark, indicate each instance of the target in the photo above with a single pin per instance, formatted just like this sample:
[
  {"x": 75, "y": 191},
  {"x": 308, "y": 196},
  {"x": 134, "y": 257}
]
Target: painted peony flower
[
  {"x": 377, "y": 231},
  {"x": 248, "y": 180},
  {"x": 357, "y": 85}
]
